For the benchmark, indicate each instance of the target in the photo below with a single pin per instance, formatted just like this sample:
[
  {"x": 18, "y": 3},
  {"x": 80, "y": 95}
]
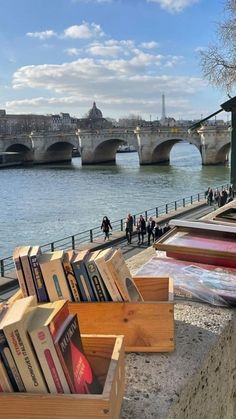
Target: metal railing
[{"x": 90, "y": 236}]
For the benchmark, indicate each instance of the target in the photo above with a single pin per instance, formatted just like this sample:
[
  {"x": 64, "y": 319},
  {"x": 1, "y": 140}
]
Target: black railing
[{"x": 90, "y": 236}]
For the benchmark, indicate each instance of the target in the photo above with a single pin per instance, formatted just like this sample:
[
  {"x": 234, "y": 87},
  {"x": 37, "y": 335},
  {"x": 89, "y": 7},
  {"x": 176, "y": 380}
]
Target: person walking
[
  {"x": 157, "y": 231},
  {"x": 141, "y": 229},
  {"x": 129, "y": 225},
  {"x": 105, "y": 227},
  {"x": 150, "y": 230}
]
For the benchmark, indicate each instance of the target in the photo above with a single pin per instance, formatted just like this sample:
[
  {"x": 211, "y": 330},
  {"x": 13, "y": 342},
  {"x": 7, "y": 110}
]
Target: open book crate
[
  {"x": 148, "y": 326},
  {"x": 106, "y": 356}
]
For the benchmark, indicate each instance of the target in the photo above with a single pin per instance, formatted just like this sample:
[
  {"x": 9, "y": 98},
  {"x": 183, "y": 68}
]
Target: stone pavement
[{"x": 198, "y": 379}]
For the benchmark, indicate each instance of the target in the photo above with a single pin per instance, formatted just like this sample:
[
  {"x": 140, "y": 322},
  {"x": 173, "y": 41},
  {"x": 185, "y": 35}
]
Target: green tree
[{"x": 218, "y": 61}]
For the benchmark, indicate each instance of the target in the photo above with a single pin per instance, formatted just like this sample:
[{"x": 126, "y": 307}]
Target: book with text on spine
[
  {"x": 54, "y": 276},
  {"x": 78, "y": 264},
  {"x": 96, "y": 280},
  {"x": 77, "y": 369},
  {"x": 14, "y": 326},
  {"x": 70, "y": 275},
  {"x": 25, "y": 263},
  {"x": 7, "y": 358},
  {"x": 37, "y": 274},
  {"x": 19, "y": 272},
  {"x": 105, "y": 273},
  {"x": 46, "y": 318}
]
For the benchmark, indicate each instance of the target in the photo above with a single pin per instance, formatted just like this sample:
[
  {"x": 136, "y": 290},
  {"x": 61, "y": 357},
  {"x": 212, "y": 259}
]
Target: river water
[{"x": 41, "y": 204}]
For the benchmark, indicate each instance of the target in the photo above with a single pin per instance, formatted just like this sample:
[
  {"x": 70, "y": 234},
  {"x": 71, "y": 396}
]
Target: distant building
[{"x": 94, "y": 120}]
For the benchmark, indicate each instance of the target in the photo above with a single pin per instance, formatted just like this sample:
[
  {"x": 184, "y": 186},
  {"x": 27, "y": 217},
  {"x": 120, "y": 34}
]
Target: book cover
[
  {"x": 78, "y": 264},
  {"x": 5, "y": 382},
  {"x": 76, "y": 366},
  {"x": 14, "y": 326},
  {"x": 37, "y": 274},
  {"x": 105, "y": 273},
  {"x": 8, "y": 360},
  {"x": 45, "y": 318},
  {"x": 19, "y": 272},
  {"x": 71, "y": 279},
  {"x": 122, "y": 277},
  {"x": 54, "y": 276},
  {"x": 25, "y": 263},
  {"x": 96, "y": 280}
]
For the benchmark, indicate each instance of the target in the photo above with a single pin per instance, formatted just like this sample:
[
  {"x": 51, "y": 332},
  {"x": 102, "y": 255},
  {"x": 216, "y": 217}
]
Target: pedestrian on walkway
[
  {"x": 129, "y": 225},
  {"x": 105, "y": 227},
  {"x": 157, "y": 231},
  {"x": 150, "y": 229},
  {"x": 141, "y": 229}
]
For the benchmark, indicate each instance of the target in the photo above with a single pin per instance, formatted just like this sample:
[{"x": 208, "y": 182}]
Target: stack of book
[
  {"x": 41, "y": 350},
  {"x": 74, "y": 275}
]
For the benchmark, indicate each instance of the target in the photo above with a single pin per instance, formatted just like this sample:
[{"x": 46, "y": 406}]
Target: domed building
[{"x": 94, "y": 120}]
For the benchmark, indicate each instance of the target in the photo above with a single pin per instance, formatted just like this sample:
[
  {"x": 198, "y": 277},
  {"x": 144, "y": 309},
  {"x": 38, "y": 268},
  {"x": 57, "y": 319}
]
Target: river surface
[{"x": 41, "y": 204}]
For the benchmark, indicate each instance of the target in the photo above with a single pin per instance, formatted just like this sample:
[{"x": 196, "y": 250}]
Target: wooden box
[
  {"x": 147, "y": 326},
  {"x": 200, "y": 242},
  {"x": 106, "y": 355}
]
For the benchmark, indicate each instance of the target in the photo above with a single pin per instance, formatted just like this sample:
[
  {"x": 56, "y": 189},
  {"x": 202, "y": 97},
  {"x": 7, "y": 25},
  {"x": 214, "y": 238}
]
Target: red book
[{"x": 70, "y": 351}]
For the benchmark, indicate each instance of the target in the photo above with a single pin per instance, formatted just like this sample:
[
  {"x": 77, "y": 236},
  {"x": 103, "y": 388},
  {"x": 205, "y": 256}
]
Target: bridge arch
[
  {"x": 59, "y": 151},
  {"x": 105, "y": 151},
  {"x": 21, "y": 153},
  {"x": 161, "y": 153},
  {"x": 223, "y": 153}
]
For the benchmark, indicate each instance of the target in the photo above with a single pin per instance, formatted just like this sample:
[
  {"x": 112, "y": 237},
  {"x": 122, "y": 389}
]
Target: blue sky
[{"x": 61, "y": 55}]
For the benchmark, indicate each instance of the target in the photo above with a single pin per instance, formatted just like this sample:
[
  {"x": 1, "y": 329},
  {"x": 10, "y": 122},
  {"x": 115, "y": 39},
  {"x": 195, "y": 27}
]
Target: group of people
[
  {"x": 153, "y": 230},
  {"x": 219, "y": 198}
]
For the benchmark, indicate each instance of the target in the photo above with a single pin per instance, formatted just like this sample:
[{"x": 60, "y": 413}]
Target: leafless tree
[{"x": 218, "y": 61}]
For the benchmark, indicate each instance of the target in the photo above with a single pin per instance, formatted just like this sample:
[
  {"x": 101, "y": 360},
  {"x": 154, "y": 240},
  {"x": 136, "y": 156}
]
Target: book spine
[
  {"x": 5, "y": 380},
  {"x": 28, "y": 275},
  {"x": 87, "y": 281},
  {"x": 49, "y": 360},
  {"x": 65, "y": 369},
  {"x": 97, "y": 282},
  {"x": 20, "y": 277},
  {"x": 71, "y": 280},
  {"x": 55, "y": 280},
  {"x": 81, "y": 281},
  {"x": 10, "y": 364},
  {"x": 38, "y": 280},
  {"x": 25, "y": 359},
  {"x": 108, "y": 280}
]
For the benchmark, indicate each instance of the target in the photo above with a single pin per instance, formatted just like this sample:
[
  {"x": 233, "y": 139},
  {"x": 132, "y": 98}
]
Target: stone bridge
[
  {"x": 154, "y": 144},
  {"x": 38, "y": 147},
  {"x": 100, "y": 145}
]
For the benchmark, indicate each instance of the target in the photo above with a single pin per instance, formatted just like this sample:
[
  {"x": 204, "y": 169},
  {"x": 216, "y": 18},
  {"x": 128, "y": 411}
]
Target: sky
[{"x": 62, "y": 55}]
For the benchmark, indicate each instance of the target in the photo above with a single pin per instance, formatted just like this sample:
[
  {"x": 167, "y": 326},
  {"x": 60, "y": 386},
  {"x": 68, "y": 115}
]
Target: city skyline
[{"x": 61, "y": 56}]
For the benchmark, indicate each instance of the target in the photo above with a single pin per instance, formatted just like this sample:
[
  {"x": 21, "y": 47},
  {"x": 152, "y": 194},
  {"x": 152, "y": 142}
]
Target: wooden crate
[
  {"x": 106, "y": 355},
  {"x": 147, "y": 326}
]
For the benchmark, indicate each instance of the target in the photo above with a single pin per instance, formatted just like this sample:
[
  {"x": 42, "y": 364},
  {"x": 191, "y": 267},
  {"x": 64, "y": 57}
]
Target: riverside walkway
[{"x": 8, "y": 280}]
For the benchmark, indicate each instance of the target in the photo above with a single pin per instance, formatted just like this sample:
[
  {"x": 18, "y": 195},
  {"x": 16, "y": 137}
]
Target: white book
[
  {"x": 14, "y": 326},
  {"x": 47, "y": 317},
  {"x": 105, "y": 273},
  {"x": 19, "y": 272},
  {"x": 54, "y": 276}
]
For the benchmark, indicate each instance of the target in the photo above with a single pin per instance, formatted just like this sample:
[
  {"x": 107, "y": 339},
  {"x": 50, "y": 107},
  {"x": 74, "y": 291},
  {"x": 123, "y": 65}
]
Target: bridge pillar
[{"x": 215, "y": 145}]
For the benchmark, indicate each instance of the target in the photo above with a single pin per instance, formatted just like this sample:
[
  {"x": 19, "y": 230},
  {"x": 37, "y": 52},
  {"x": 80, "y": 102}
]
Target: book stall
[{"x": 64, "y": 334}]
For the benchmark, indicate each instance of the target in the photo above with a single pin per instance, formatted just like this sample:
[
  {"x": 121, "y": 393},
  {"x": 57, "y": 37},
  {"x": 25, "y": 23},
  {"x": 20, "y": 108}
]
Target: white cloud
[
  {"x": 83, "y": 31},
  {"x": 72, "y": 51},
  {"x": 174, "y": 5},
  {"x": 149, "y": 45},
  {"x": 42, "y": 35}
]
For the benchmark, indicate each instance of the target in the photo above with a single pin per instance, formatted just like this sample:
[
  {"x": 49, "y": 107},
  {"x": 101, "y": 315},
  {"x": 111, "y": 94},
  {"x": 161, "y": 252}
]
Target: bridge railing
[{"x": 94, "y": 234}]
